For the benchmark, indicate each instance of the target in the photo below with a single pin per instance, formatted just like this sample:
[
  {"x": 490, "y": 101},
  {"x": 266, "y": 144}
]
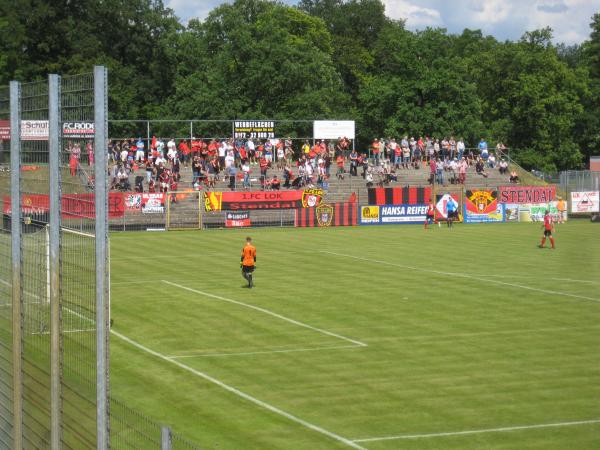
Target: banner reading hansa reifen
[
  {"x": 248, "y": 200},
  {"x": 526, "y": 194}
]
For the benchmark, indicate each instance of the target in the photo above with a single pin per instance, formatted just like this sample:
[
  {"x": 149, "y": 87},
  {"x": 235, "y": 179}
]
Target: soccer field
[{"x": 389, "y": 337}]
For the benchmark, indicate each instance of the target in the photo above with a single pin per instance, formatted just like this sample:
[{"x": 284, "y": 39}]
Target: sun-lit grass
[{"x": 473, "y": 328}]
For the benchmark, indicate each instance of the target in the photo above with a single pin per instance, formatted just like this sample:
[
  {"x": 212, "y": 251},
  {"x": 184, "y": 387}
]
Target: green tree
[{"x": 258, "y": 59}]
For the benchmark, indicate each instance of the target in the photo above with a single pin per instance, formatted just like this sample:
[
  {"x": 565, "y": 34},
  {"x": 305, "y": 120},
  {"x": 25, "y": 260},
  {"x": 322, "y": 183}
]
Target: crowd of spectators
[{"x": 272, "y": 164}]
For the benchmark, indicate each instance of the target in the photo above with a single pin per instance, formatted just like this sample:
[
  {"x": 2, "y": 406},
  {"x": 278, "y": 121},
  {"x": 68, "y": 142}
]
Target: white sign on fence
[
  {"x": 34, "y": 130},
  {"x": 585, "y": 202},
  {"x": 333, "y": 129}
]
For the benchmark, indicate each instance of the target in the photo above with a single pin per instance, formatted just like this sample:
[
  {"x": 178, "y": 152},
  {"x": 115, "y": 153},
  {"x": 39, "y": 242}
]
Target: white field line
[
  {"x": 69, "y": 331},
  {"x": 462, "y": 275},
  {"x": 537, "y": 278},
  {"x": 487, "y": 430},
  {"x": 265, "y": 352},
  {"x": 235, "y": 391},
  {"x": 478, "y": 334},
  {"x": 268, "y": 312},
  {"x": 239, "y": 393}
]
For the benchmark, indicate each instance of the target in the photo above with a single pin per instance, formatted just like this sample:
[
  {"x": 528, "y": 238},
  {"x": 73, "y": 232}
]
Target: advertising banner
[
  {"x": 73, "y": 205},
  {"x": 393, "y": 214},
  {"x": 4, "y": 130},
  {"x": 254, "y": 129},
  {"x": 235, "y": 219},
  {"x": 496, "y": 216},
  {"x": 534, "y": 212},
  {"x": 328, "y": 215},
  {"x": 585, "y": 202},
  {"x": 153, "y": 202},
  {"x": 78, "y": 130},
  {"x": 369, "y": 215},
  {"x": 399, "y": 196},
  {"x": 482, "y": 207},
  {"x": 441, "y": 206},
  {"x": 333, "y": 129},
  {"x": 247, "y": 200},
  {"x": 511, "y": 212},
  {"x": 34, "y": 130},
  {"x": 526, "y": 194},
  {"x": 133, "y": 201}
]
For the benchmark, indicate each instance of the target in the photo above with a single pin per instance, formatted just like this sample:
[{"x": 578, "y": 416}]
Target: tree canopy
[{"x": 337, "y": 59}]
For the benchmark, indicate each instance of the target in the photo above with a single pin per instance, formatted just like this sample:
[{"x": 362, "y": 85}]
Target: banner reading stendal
[
  {"x": 526, "y": 194},
  {"x": 249, "y": 200},
  {"x": 585, "y": 202}
]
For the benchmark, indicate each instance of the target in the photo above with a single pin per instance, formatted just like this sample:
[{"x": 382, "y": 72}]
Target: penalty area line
[
  {"x": 486, "y": 430},
  {"x": 462, "y": 275},
  {"x": 268, "y": 312},
  {"x": 262, "y": 352},
  {"x": 241, "y": 394}
]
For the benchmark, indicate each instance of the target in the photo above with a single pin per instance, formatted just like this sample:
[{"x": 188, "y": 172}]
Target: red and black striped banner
[
  {"x": 400, "y": 196},
  {"x": 328, "y": 215}
]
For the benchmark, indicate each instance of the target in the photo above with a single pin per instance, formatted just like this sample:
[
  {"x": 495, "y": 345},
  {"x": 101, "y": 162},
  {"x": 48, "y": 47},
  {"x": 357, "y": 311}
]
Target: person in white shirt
[
  {"x": 160, "y": 147},
  {"x": 171, "y": 146},
  {"x": 246, "y": 172},
  {"x": 460, "y": 149},
  {"x": 172, "y": 152}
]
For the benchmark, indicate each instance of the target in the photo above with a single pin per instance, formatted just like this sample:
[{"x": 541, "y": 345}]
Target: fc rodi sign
[{"x": 78, "y": 130}]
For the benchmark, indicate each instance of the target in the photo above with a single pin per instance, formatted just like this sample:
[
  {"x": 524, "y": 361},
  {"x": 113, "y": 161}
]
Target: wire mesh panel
[
  {"x": 6, "y": 367},
  {"x": 78, "y": 263},
  {"x": 35, "y": 307}
]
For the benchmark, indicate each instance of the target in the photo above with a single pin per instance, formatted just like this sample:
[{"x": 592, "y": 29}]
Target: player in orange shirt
[{"x": 248, "y": 261}]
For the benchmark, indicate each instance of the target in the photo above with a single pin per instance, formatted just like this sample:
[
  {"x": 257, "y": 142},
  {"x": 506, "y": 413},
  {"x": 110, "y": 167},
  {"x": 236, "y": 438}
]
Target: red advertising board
[
  {"x": 4, "y": 130},
  {"x": 153, "y": 202},
  {"x": 248, "y": 200},
  {"x": 73, "y": 205},
  {"x": 526, "y": 194}
]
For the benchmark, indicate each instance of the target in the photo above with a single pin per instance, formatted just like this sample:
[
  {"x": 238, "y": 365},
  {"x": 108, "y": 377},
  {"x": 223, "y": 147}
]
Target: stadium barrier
[{"x": 193, "y": 209}]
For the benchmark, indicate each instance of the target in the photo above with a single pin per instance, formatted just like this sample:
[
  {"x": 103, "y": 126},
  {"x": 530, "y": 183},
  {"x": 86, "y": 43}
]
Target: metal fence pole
[
  {"x": 101, "y": 226},
  {"x": 55, "y": 125},
  {"x": 17, "y": 298},
  {"x": 165, "y": 438}
]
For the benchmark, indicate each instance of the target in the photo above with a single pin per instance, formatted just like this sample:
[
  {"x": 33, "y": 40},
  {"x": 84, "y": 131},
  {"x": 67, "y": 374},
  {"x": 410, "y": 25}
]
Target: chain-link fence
[
  {"x": 579, "y": 180},
  {"x": 6, "y": 351},
  {"x": 54, "y": 318}
]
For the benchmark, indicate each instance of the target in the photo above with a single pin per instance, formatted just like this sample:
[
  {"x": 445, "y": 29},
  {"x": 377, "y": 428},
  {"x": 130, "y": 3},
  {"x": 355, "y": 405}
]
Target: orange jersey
[{"x": 248, "y": 255}]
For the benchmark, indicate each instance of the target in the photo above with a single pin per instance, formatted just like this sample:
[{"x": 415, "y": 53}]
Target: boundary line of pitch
[
  {"x": 485, "y": 430},
  {"x": 461, "y": 275}
]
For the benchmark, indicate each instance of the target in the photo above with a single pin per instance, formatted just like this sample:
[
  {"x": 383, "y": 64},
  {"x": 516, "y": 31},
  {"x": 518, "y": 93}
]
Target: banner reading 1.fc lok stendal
[{"x": 250, "y": 200}]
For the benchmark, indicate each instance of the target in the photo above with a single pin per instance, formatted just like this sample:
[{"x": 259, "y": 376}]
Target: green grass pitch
[{"x": 389, "y": 337}]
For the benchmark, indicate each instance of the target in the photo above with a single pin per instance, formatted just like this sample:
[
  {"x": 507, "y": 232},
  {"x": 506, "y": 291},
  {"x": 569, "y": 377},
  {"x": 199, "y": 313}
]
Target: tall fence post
[
  {"x": 54, "y": 117},
  {"x": 17, "y": 298},
  {"x": 165, "y": 438},
  {"x": 102, "y": 276}
]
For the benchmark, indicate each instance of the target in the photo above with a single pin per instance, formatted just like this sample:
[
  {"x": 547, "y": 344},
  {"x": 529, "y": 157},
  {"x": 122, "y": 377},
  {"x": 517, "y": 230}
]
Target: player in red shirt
[
  {"x": 548, "y": 228},
  {"x": 430, "y": 217}
]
